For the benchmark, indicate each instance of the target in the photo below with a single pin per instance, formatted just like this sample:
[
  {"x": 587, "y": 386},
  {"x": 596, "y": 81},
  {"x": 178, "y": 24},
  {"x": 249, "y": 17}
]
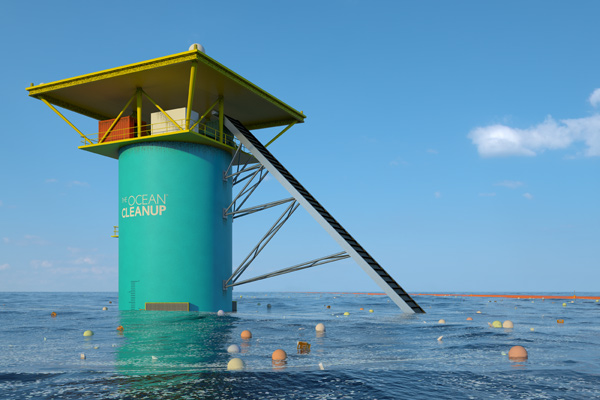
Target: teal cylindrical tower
[{"x": 174, "y": 244}]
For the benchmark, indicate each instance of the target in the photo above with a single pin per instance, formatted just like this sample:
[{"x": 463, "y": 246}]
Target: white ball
[
  {"x": 235, "y": 364},
  {"x": 197, "y": 46},
  {"x": 233, "y": 349},
  {"x": 320, "y": 327},
  {"x": 220, "y": 313}
]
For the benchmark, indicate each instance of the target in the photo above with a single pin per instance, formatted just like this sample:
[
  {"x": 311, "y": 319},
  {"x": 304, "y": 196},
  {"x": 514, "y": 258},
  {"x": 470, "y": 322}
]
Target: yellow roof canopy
[{"x": 102, "y": 95}]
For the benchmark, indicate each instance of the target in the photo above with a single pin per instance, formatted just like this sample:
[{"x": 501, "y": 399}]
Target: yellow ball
[
  {"x": 497, "y": 324},
  {"x": 442, "y": 321},
  {"x": 564, "y": 304},
  {"x": 371, "y": 311},
  {"x": 235, "y": 364},
  {"x": 346, "y": 313},
  {"x": 88, "y": 333},
  {"x": 508, "y": 324}
]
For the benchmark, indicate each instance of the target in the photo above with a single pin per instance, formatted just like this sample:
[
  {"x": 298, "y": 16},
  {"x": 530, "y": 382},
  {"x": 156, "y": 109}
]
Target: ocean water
[{"x": 379, "y": 355}]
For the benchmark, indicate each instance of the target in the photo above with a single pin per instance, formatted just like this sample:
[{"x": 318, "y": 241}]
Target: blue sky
[{"x": 458, "y": 142}]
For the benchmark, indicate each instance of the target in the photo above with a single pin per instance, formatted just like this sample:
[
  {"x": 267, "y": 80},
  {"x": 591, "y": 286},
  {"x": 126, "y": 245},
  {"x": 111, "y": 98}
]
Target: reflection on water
[{"x": 170, "y": 343}]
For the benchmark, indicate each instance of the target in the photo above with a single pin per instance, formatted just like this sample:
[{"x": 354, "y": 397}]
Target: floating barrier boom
[{"x": 318, "y": 212}]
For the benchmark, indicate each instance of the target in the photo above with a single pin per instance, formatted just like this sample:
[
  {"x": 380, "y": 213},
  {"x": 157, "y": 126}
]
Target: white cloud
[
  {"x": 83, "y": 270},
  {"x": 595, "y": 98},
  {"x": 487, "y": 194},
  {"x": 84, "y": 260},
  {"x": 437, "y": 195},
  {"x": 73, "y": 250},
  {"x": 4, "y": 267},
  {"x": 528, "y": 196},
  {"x": 509, "y": 184},
  {"x": 40, "y": 263},
  {"x": 79, "y": 183},
  {"x": 501, "y": 140},
  {"x": 51, "y": 180},
  {"x": 397, "y": 161},
  {"x": 26, "y": 241}
]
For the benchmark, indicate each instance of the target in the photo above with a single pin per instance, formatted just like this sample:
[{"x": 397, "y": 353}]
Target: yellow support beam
[
  {"x": 66, "y": 120},
  {"x": 116, "y": 120},
  {"x": 221, "y": 121},
  {"x": 138, "y": 94},
  {"x": 162, "y": 111},
  {"x": 280, "y": 133},
  {"x": 205, "y": 114},
  {"x": 188, "y": 113}
]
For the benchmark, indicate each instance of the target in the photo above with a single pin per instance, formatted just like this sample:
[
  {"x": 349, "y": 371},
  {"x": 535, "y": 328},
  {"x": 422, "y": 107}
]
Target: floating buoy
[
  {"x": 246, "y": 334},
  {"x": 531, "y": 329},
  {"x": 508, "y": 324},
  {"x": 442, "y": 321},
  {"x": 268, "y": 305},
  {"x": 560, "y": 321},
  {"x": 104, "y": 308},
  {"x": 154, "y": 358},
  {"x": 82, "y": 356},
  {"x": 303, "y": 347},
  {"x": 320, "y": 327},
  {"x": 517, "y": 353},
  {"x": 53, "y": 314},
  {"x": 328, "y": 306},
  {"x": 469, "y": 319},
  {"x": 497, "y": 324},
  {"x": 440, "y": 338},
  {"x": 321, "y": 366},
  {"x": 88, "y": 333},
  {"x": 120, "y": 328},
  {"x": 346, "y": 313},
  {"x": 478, "y": 312},
  {"x": 279, "y": 355},
  {"x": 370, "y": 310},
  {"x": 220, "y": 313},
  {"x": 564, "y": 304},
  {"x": 110, "y": 302},
  {"x": 233, "y": 349},
  {"x": 235, "y": 364}
]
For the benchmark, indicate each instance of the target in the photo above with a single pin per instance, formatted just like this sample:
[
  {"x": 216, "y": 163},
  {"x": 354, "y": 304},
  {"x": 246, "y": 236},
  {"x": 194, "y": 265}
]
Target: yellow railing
[{"x": 165, "y": 127}]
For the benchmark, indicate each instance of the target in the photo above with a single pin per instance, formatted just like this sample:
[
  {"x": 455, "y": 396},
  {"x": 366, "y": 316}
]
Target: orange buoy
[
  {"x": 279, "y": 355},
  {"x": 517, "y": 353},
  {"x": 469, "y": 319},
  {"x": 120, "y": 328},
  {"x": 560, "y": 321},
  {"x": 246, "y": 334},
  {"x": 53, "y": 314},
  {"x": 361, "y": 309}
]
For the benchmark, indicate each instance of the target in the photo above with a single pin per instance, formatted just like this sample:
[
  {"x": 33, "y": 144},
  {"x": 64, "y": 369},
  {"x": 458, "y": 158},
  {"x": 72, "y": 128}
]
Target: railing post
[
  {"x": 138, "y": 95},
  {"x": 221, "y": 116}
]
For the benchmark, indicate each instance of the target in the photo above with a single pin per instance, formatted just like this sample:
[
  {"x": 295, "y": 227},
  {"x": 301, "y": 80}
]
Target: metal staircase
[{"x": 318, "y": 212}]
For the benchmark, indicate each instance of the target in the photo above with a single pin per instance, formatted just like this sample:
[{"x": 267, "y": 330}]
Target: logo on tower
[{"x": 143, "y": 205}]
